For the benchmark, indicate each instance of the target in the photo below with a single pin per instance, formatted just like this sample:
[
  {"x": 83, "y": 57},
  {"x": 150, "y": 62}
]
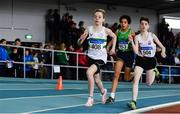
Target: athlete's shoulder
[
  {"x": 138, "y": 35},
  {"x": 89, "y": 27},
  {"x": 153, "y": 35},
  {"x": 107, "y": 29}
]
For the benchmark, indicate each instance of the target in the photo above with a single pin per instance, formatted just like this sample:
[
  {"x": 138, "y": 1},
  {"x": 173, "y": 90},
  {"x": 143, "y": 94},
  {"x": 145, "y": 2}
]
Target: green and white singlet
[{"x": 122, "y": 40}]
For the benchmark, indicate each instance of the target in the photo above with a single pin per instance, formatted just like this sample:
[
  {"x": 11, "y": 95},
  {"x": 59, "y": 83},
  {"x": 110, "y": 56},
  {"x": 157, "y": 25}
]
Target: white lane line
[
  {"x": 48, "y": 109},
  {"x": 27, "y": 84},
  {"x": 53, "y": 88},
  {"x": 150, "y": 108},
  {"x": 53, "y": 85},
  {"x": 24, "y": 89},
  {"x": 71, "y": 95},
  {"x": 39, "y": 89}
]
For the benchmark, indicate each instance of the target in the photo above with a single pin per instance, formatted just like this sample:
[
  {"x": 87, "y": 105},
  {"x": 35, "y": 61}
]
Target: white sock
[{"x": 113, "y": 95}]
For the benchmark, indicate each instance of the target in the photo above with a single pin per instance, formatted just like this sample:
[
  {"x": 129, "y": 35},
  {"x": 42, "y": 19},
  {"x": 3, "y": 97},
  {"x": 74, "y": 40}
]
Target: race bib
[
  {"x": 97, "y": 44},
  {"x": 146, "y": 51},
  {"x": 123, "y": 45}
]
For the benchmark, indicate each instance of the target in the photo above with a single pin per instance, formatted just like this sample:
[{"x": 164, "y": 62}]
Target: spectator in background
[
  {"x": 64, "y": 26},
  {"x": 171, "y": 38},
  {"x": 29, "y": 63},
  {"x": 70, "y": 20},
  {"x": 81, "y": 28},
  {"x": 3, "y": 41},
  {"x": 106, "y": 25},
  {"x": 15, "y": 57},
  {"x": 49, "y": 23},
  {"x": 82, "y": 61},
  {"x": 163, "y": 31},
  {"x": 61, "y": 58},
  {"x": 18, "y": 53},
  {"x": 36, "y": 62},
  {"x": 4, "y": 57},
  {"x": 177, "y": 41},
  {"x": 177, "y": 59},
  {"x": 176, "y": 70},
  {"x": 73, "y": 35},
  {"x": 171, "y": 58},
  {"x": 114, "y": 27},
  {"x": 56, "y": 27},
  {"x": 45, "y": 57}
]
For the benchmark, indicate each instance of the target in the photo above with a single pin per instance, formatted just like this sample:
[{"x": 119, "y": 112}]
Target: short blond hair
[{"x": 102, "y": 11}]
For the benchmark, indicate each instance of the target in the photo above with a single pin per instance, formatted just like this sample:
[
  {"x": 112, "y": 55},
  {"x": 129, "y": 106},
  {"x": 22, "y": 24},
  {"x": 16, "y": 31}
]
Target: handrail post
[
  {"x": 77, "y": 65},
  {"x": 52, "y": 66},
  {"x": 24, "y": 49},
  {"x": 169, "y": 74},
  {"x": 15, "y": 73}
]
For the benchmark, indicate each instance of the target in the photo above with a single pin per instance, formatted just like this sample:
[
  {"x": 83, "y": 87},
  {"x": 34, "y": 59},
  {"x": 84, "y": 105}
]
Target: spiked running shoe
[
  {"x": 104, "y": 96},
  {"x": 110, "y": 100},
  {"x": 132, "y": 105},
  {"x": 89, "y": 102}
]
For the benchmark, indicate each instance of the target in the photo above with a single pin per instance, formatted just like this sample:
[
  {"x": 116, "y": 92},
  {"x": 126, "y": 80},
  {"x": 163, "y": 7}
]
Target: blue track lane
[{"x": 39, "y": 95}]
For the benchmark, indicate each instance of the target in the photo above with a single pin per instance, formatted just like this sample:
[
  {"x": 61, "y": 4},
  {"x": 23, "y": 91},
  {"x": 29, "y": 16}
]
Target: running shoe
[
  {"x": 110, "y": 100},
  {"x": 104, "y": 96},
  {"x": 132, "y": 105}
]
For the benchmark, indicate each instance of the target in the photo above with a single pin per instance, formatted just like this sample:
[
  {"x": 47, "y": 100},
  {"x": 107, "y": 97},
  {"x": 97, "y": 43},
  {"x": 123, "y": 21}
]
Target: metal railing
[{"x": 77, "y": 67}]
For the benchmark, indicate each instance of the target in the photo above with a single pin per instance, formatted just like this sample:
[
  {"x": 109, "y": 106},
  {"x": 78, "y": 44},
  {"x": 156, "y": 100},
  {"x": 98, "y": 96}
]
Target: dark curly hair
[{"x": 128, "y": 18}]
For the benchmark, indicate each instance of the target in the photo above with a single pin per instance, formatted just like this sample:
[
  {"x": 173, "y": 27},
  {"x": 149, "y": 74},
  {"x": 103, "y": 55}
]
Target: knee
[
  {"x": 97, "y": 80},
  {"x": 89, "y": 74},
  {"x": 116, "y": 76}
]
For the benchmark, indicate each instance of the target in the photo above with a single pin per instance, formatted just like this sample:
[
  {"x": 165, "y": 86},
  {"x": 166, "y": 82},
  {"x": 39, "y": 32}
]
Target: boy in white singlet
[
  {"x": 97, "y": 39},
  {"x": 145, "y": 48}
]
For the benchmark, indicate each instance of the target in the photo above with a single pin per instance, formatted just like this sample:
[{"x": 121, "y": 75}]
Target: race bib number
[
  {"x": 147, "y": 51},
  {"x": 123, "y": 45},
  {"x": 95, "y": 46}
]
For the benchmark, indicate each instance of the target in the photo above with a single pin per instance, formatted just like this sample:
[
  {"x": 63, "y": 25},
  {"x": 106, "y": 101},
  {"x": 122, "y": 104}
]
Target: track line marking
[
  {"x": 94, "y": 103},
  {"x": 141, "y": 110},
  {"x": 36, "y": 97}
]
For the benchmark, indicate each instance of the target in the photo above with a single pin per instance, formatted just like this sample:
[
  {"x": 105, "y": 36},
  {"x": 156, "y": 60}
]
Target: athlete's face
[
  {"x": 144, "y": 26},
  {"x": 98, "y": 18},
  {"x": 124, "y": 24}
]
